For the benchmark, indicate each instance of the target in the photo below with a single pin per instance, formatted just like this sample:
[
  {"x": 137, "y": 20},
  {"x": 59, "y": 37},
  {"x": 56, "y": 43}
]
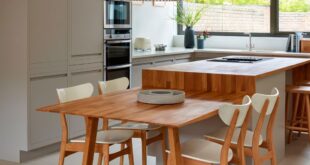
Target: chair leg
[
  {"x": 308, "y": 114},
  {"x": 163, "y": 146},
  {"x": 106, "y": 155},
  {"x": 121, "y": 158},
  {"x": 273, "y": 158},
  {"x": 293, "y": 117},
  {"x": 130, "y": 154},
  {"x": 144, "y": 147},
  {"x": 62, "y": 154},
  {"x": 100, "y": 158}
]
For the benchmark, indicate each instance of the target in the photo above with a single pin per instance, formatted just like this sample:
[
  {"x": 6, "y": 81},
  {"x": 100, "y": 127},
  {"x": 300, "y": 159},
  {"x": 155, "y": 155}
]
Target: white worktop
[{"x": 181, "y": 50}]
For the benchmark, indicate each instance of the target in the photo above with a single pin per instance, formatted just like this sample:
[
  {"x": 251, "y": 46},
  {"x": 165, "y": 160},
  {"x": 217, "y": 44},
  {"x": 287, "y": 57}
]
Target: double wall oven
[{"x": 117, "y": 39}]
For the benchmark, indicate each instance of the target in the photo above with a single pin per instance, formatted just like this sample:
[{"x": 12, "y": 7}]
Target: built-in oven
[
  {"x": 117, "y": 53},
  {"x": 117, "y": 13}
]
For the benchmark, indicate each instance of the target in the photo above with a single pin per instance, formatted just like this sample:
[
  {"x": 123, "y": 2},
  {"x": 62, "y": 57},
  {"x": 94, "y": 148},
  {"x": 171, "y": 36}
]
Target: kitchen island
[{"x": 229, "y": 78}]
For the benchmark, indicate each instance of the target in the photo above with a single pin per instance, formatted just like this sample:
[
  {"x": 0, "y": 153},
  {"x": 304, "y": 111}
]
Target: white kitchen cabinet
[
  {"x": 44, "y": 127},
  {"x": 80, "y": 74},
  {"x": 86, "y": 24},
  {"x": 136, "y": 74},
  {"x": 48, "y": 31}
]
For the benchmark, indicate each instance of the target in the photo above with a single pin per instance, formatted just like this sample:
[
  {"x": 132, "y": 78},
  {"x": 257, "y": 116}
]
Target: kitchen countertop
[
  {"x": 257, "y": 69},
  {"x": 181, "y": 50}
]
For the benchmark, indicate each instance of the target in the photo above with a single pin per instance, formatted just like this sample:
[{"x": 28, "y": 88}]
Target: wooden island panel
[{"x": 223, "y": 84}]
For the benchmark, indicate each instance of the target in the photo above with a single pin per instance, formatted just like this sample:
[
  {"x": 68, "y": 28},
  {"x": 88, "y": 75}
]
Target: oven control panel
[{"x": 116, "y": 34}]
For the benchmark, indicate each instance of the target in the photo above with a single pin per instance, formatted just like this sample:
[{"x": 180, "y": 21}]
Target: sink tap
[{"x": 250, "y": 45}]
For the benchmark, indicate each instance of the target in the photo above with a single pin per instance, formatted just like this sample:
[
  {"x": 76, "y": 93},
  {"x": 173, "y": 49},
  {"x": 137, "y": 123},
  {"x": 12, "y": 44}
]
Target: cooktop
[{"x": 239, "y": 59}]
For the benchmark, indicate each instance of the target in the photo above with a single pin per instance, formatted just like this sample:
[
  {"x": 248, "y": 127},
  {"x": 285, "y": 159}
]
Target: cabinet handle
[
  {"x": 86, "y": 55},
  {"x": 48, "y": 76},
  {"x": 86, "y": 71}
]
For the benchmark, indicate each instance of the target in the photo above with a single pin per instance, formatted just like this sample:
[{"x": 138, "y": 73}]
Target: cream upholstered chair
[
  {"x": 201, "y": 151},
  {"x": 141, "y": 129},
  {"x": 104, "y": 138},
  {"x": 264, "y": 105}
]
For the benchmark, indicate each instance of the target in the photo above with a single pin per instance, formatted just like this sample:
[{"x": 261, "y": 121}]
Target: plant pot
[
  {"x": 189, "y": 38},
  {"x": 200, "y": 43}
]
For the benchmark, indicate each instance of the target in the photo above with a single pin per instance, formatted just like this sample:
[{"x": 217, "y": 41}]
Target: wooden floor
[{"x": 297, "y": 153}]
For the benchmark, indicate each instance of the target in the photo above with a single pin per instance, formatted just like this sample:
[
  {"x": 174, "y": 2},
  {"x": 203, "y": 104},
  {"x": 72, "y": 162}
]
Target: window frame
[{"x": 274, "y": 25}]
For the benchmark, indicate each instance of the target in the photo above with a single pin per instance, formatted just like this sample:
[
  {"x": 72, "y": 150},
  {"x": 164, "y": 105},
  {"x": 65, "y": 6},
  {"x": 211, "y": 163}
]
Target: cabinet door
[
  {"x": 76, "y": 123},
  {"x": 136, "y": 74},
  {"x": 48, "y": 31},
  {"x": 86, "y": 26},
  {"x": 44, "y": 127}
]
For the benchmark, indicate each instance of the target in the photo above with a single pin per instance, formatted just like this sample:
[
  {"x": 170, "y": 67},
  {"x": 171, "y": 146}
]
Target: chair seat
[
  {"x": 221, "y": 133},
  {"x": 136, "y": 126},
  {"x": 204, "y": 151},
  {"x": 109, "y": 137}
]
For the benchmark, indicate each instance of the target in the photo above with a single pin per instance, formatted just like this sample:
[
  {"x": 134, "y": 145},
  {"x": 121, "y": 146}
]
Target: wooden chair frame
[
  {"x": 67, "y": 148},
  {"x": 225, "y": 148},
  {"x": 242, "y": 151}
]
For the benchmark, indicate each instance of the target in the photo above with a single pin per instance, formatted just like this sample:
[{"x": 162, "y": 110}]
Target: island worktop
[{"x": 269, "y": 65}]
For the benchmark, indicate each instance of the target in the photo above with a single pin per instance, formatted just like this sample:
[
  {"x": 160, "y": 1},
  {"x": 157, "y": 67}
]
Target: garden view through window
[{"x": 251, "y": 15}]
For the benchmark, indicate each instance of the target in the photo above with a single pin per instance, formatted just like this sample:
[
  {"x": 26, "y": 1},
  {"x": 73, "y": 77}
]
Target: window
[
  {"x": 265, "y": 17},
  {"x": 294, "y": 15},
  {"x": 233, "y": 15}
]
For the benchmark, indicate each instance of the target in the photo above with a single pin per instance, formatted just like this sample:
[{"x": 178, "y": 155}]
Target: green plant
[{"x": 189, "y": 16}]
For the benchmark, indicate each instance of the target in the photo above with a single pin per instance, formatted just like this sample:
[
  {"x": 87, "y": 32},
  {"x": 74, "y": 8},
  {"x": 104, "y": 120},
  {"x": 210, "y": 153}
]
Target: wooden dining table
[{"x": 123, "y": 105}]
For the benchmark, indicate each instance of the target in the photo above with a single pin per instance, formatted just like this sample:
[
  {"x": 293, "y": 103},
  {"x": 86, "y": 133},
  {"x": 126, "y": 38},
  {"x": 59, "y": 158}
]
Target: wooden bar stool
[
  {"x": 250, "y": 142},
  {"x": 104, "y": 139},
  {"x": 300, "y": 114},
  {"x": 203, "y": 152},
  {"x": 141, "y": 130}
]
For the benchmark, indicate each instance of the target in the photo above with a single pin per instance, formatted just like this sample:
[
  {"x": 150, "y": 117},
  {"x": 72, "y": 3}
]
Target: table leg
[
  {"x": 175, "y": 146},
  {"x": 90, "y": 141}
]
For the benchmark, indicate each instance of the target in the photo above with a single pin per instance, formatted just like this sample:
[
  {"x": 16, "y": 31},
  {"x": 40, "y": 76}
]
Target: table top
[
  {"x": 124, "y": 106},
  {"x": 257, "y": 69}
]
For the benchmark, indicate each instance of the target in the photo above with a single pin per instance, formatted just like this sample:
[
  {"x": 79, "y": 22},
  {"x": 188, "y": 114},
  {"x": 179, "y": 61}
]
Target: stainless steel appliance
[
  {"x": 239, "y": 59},
  {"x": 117, "y": 13},
  {"x": 117, "y": 53}
]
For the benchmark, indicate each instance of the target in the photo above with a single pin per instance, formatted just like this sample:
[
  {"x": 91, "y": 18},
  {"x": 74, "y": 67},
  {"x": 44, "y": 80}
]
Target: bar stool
[
  {"x": 300, "y": 114},
  {"x": 205, "y": 152},
  {"x": 104, "y": 138},
  {"x": 141, "y": 130},
  {"x": 250, "y": 142}
]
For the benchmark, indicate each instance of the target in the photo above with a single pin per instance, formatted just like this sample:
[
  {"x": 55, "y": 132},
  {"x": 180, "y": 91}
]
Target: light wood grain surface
[
  {"x": 124, "y": 106},
  {"x": 257, "y": 70}
]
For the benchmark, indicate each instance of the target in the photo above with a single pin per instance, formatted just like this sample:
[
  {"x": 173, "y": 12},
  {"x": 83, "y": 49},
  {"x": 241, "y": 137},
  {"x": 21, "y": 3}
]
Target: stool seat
[
  {"x": 298, "y": 89},
  {"x": 305, "y": 83}
]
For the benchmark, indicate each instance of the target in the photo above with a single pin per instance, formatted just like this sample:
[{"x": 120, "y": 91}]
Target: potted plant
[
  {"x": 201, "y": 37},
  {"x": 188, "y": 17}
]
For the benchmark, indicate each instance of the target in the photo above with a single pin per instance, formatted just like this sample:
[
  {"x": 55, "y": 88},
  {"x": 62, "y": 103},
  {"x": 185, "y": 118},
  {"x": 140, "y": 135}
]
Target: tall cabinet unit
[
  {"x": 65, "y": 49},
  {"x": 48, "y": 47},
  {"x": 85, "y": 50}
]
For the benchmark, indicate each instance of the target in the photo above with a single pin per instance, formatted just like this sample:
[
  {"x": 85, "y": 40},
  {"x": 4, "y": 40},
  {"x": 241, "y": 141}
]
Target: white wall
[
  {"x": 13, "y": 81},
  {"x": 154, "y": 23}
]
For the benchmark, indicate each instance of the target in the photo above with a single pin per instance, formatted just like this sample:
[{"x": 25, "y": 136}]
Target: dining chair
[
  {"x": 202, "y": 151},
  {"x": 141, "y": 130},
  {"x": 105, "y": 138},
  {"x": 264, "y": 105}
]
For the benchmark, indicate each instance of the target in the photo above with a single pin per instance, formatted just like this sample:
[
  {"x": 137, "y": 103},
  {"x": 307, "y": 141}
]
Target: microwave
[{"x": 117, "y": 13}]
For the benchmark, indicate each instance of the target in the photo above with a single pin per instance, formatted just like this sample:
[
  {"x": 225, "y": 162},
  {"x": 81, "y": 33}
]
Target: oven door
[
  {"x": 118, "y": 72},
  {"x": 117, "y": 14},
  {"x": 117, "y": 52}
]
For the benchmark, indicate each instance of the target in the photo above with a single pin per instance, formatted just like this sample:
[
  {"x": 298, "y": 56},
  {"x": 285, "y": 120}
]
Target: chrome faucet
[{"x": 250, "y": 45}]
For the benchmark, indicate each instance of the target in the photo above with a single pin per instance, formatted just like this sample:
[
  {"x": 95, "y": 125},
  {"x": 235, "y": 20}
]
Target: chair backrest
[
  {"x": 70, "y": 94},
  {"x": 265, "y": 105},
  {"x": 113, "y": 85},
  {"x": 233, "y": 116},
  {"x": 259, "y": 99},
  {"x": 75, "y": 93},
  {"x": 226, "y": 111}
]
